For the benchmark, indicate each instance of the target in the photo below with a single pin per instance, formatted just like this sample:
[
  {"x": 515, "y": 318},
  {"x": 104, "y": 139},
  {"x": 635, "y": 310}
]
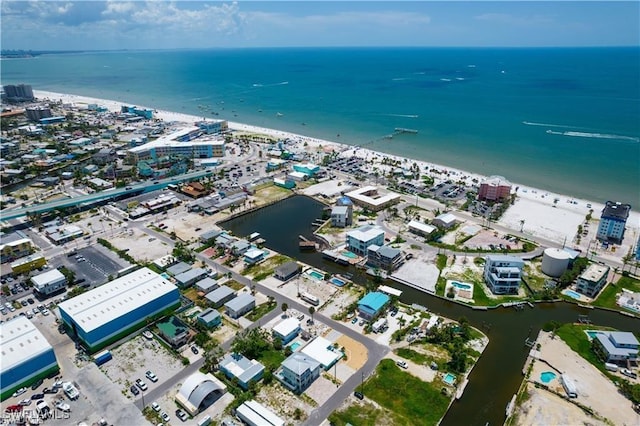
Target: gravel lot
[
  {"x": 140, "y": 245},
  {"x": 132, "y": 359}
]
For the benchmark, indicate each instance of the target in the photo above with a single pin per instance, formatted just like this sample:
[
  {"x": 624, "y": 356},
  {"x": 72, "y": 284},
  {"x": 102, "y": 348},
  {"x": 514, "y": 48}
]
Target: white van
[
  {"x": 206, "y": 420},
  {"x": 611, "y": 367}
]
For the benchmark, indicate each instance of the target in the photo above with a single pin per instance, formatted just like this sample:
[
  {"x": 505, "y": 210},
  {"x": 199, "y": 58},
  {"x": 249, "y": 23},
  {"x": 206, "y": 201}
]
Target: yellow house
[
  {"x": 28, "y": 264},
  {"x": 16, "y": 249}
]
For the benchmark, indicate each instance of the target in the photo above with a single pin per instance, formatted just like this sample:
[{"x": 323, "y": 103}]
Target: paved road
[{"x": 375, "y": 351}]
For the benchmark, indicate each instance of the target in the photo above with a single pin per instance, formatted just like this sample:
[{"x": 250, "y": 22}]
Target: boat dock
[
  {"x": 306, "y": 244},
  {"x": 461, "y": 388}
]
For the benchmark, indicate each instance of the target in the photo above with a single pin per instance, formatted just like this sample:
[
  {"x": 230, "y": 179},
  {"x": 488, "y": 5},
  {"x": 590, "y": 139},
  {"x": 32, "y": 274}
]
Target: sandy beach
[{"x": 554, "y": 217}]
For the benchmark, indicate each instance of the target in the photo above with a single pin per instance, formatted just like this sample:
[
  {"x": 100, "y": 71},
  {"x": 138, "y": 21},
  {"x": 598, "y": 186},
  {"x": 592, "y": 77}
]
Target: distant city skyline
[{"x": 105, "y": 25}]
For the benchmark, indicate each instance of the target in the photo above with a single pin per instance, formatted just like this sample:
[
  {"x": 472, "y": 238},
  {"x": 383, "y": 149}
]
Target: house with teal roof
[{"x": 372, "y": 304}]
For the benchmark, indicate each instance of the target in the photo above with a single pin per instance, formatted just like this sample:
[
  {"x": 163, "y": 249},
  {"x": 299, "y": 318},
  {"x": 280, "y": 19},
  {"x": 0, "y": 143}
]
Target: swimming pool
[
  {"x": 164, "y": 275},
  {"x": 337, "y": 281},
  {"x": 449, "y": 378},
  {"x": 461, "y": 285},
  {"x": 316, "y": 275},
  {"x": 349, "y": 254},
  {"x": 547, "y": 376},
  {"x": 295, "y": 345},
  {"x": 573, "y": 294},
  {"x": 592, "y": 333}
]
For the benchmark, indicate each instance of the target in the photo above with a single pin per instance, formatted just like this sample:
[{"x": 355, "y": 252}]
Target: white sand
[{"x": 534, "y": 206}]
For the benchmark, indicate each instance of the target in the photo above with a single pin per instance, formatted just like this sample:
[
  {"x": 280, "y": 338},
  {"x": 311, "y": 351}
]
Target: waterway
[{"x": 498, "y": 373}]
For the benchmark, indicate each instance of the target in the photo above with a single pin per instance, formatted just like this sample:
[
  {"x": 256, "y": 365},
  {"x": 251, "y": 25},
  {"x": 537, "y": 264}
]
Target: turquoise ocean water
[{"x": 564, "y": 120}]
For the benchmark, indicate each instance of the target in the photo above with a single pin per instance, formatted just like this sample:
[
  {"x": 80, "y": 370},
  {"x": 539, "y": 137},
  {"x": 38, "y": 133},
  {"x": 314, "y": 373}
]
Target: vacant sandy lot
[
  {"x": 591, "y": 383},
  {"x": 141, "y": 246},
  {"x": 356, "y": 352}
]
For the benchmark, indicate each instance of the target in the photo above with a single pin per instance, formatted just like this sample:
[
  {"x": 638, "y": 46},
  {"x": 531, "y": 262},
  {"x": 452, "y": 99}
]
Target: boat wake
[
  {"x": 563, "y": 126},
  {"x": 282, "y": 83},
  {"x": 595, "y": 135},
  {"x": 402, "y": 115}
]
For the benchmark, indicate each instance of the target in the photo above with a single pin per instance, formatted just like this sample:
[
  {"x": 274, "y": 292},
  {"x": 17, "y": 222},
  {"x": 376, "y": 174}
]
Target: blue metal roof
[{"x": 374, "y": 300}]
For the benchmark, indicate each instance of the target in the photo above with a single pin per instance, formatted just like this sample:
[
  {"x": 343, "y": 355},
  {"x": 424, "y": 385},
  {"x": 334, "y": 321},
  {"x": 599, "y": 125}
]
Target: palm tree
[
  {"x": 312, "y": 311},
  {"x": 284, "y": 307}
]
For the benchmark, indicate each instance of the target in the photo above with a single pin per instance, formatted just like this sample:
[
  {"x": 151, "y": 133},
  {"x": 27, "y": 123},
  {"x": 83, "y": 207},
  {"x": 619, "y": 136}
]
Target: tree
[
  {"x": 312, "y": 311},
  {"x": 251, "y": 343},
  {"x": 284, "y": 307}
]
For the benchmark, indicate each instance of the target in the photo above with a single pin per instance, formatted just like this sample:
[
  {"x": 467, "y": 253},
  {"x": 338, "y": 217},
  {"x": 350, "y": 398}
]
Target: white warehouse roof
[
  {"x": 20, "y": 340},
  {"x": 42, "y": 280},
  {"x": 101, "y": 305}
]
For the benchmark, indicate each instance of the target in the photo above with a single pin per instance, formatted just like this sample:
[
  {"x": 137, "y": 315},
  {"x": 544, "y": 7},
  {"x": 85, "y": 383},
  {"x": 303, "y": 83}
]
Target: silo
[{"x": 555, "y": 262}]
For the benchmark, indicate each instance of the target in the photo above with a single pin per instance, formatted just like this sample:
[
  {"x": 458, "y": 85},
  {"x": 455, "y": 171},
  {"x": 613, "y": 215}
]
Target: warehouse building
[
  {"x": 108, "y": 313},
  {"x": 26, "y": 356}
]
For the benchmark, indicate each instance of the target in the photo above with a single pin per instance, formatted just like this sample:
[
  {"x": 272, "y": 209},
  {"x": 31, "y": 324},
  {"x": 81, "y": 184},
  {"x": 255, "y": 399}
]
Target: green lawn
[
  {"x": 607, "y": 298},
  {"x": 414, "y": 402},
  {"x": 412, "y": 355},
  {"x": 234, "y": 285},
  {"x": 260, "y": 311},
  {"x": 365, "y": 414},
  {"x": 272, "y": 359}
]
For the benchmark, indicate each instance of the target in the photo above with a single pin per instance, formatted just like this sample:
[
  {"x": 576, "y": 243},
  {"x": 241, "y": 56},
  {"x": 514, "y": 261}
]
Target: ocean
[{"x": 565, "y": 120}]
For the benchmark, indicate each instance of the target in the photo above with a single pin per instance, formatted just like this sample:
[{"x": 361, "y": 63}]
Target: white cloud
[{"x": 117, "y": 7}]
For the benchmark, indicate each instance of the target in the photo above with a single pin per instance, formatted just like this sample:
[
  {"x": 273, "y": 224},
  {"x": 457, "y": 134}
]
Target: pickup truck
[{"x": 70, "y": 390}]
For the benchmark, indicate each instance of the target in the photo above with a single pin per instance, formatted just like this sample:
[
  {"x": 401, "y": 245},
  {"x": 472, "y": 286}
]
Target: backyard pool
[
  {"x": 349, "y": 254},
  {"x": 547, "y": 376},
  {"x": 461, "y": 285},
  {"x": 295, "y": 345},
  {"x": 573, "y": 294},
  {"x": 164, "y": 275},
  {"x": 337, "y": 281},
  {"x": 449, "y": 379},
  {"x": 592, "y": 333},
  {"x": 315, "y": 275}
]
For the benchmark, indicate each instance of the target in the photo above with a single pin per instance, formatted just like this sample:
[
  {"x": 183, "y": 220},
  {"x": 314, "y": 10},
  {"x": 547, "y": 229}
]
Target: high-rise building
[
  {"x": 612, "y": 222},
  {"x": 20, "y": 92},
  {"x": 496, "y": 188}
]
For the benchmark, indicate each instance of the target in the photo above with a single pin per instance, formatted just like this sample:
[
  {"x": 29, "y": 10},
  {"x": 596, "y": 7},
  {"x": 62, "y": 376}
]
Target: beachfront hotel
[
  {"x": 612, "y": 222},
  {"x": 186, "y": 142},
  {"x": 495, "y": 188},
  {"x": 369, "y": 198}
]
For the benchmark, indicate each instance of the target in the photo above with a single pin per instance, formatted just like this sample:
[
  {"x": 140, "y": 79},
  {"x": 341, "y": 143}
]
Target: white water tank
[{"x": 555, "y": 262}]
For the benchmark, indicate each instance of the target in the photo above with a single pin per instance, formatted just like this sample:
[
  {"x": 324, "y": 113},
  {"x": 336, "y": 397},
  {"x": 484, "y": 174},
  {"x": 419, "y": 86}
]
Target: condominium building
[
  {"x": 360, "y": 239},
  {"x": 591, "y": 281},
  {"x": 612, "y": 222},
  {"x": 503, "y": 273},
  {"x": 496, "y": 188},
  {"x": 184, "y": 143}
]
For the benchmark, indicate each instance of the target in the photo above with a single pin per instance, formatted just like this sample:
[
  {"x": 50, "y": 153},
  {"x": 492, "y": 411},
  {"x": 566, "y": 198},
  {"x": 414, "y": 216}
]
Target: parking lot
[{"x": 93, "y": 264}]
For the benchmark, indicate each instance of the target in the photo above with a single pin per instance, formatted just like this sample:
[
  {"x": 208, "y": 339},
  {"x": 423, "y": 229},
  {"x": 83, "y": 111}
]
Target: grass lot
[
  {"x": 191, "y": 294},
  {"x": 234, "y": 285},
  {"x": 272, "y": 359},
  {"x": 363, "y": 414},
  {"x": 265, "y": 269},
  {"x": 414, "y": 356},
  {"x": 607, "y": 298},
  {"x": 412, "y": 401},
  {"x": 260, "y": 311},
  {"x": 271, "y": 193}
]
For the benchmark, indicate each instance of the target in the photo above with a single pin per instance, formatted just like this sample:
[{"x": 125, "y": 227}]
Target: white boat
[{"x": 278, "y": 114}]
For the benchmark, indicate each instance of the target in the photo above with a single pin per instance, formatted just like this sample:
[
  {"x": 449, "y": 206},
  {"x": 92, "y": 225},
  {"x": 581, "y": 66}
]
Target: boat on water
[{"x": 279, "y": 114}]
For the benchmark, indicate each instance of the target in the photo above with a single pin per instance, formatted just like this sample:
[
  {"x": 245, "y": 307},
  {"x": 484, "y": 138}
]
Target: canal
[{"x": 498, "y": 373}]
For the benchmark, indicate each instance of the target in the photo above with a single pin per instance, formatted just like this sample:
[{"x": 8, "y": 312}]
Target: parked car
[
  {"x": 52, "y": 390},
  {"x": 181, "y": 415},
  {"x": 25, "y": 402},
  {"x": 165, "y": 417},
  {"x": 37, "y": 396},
  {"x": 155, "y": 406},
  {"x": 629, "y": 373},
  {"x": 13, "y": 408},
  {"x": 151, "y": 376},
  {"x": 358, "y": 395},
  {"x": 194, "y": 350},
  {"x": 36, "y": 385},
  {"x": 147, "y": 335},
  {"x": 19, "y": 392},
  {"x": 134, "y": 390},
  {"x": 402, "y": 364},
  {"x": 355, "y": 320},
  {"x": 142, "y": 385},
  {"x": 63, "y": 406}
]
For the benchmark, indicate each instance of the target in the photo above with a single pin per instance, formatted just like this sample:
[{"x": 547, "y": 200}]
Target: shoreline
[{"x": 534, "y": 201}]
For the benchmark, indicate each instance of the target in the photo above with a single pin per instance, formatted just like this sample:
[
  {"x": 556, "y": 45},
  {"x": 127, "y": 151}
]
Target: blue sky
[{"x": 81, "y": 25}]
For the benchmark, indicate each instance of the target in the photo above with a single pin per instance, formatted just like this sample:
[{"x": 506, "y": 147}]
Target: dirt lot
[
  {"x": 485, "y": 237},
  {"x": 133, "y": 358},
  {"x": 284, "y": 403},
  {"x": 184, "y": 223},
  {"x": 545, "y": 408},
  {"x": 356, "y": 352},
  {"x": 591, "y": 384},
  {"x": 141, "y": 246}
]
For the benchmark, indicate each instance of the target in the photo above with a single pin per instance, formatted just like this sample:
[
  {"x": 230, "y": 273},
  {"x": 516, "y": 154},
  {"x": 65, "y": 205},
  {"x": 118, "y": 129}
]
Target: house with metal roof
[
  {"x": 384, "y": 257},
  {"x": 616, "y": 346},
  {"x": 220, "y": 296},
  {"x": 49, "y": 282},
  {"x": 323, "y": 351},
  {"x": 286, "y": 330},
  {"x": 107, "y": 313},
  {"x": 207, "y": 284},
  {"x": 445, "y": 220},
  {"x": 372, "y": 304},
  {"x": 255, "y": 414},
  {"x": 242, "y": 368},
  {"x": 174, "y": 331},
  {"x": 178, "y": 268},
  {"x": 26, "y": 355},
  {"x": 210, "y": 318},
  {"x": 187, "y": 278},
  {"x": 298, "y": 371},
  {"x": 240, "y": 305},
  {"x": 286, "y": 271},
  {"x": 253, "y": 256},
  {"x": 359, "y": 239}
]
